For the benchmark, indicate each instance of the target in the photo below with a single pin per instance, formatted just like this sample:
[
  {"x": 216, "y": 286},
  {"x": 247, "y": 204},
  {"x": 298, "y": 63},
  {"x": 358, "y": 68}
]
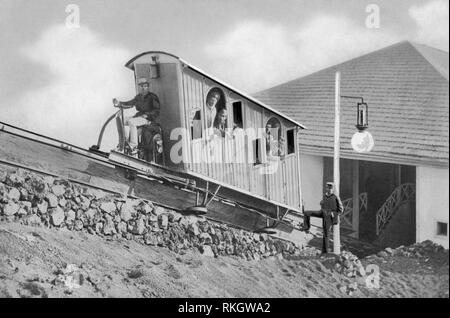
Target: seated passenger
[{"x": 147, "y": 106}]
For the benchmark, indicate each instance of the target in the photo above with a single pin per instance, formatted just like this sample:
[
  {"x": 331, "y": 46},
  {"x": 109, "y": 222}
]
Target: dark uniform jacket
[
  {"x": 148, "y": 105},
  {"x": 332, "y": 203}
]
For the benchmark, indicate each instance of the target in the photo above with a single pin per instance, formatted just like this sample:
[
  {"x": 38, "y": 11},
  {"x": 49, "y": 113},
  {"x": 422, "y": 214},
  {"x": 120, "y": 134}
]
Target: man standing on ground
[{"x": 331, "y": 208}]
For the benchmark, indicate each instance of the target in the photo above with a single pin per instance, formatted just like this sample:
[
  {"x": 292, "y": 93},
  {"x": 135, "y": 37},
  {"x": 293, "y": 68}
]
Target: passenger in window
[
  {"x": 269, "y": 139},
  {"x": 211, "y": 110},
  {"x": 147, "y": 106},
  {"x": 220, "y": 123},
  {"x": 281, "y": 146},
  {"x": 274, "y": 141}
]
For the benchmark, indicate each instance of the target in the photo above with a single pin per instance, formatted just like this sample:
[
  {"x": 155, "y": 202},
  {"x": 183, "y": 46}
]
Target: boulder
[
  {"x": 14, "y": 194},
  {"x": 62, "y": 202},
  {"x": 15, "y": 179},
  {"x": 158, "y": 210},
  {"x": 163, "y": 221},
  {"x": 26, "y": 206},
  {"x": 150, "y": 240},
  {"x": 85, "y": 202},
  {"x": 126, "y": 212},
  {"x": 33, "y": 220},
  {"x": 122, "y": 227},
  {"x": 57, "y": 216},
  {"x": 146, "y": 208},
  {"x": 193, "y": 228},
  {"x": 22, "y": 211},
  {"x": 49, "y": 180},
  {"x": 70, "y": 217},
  {"x": 42, "y": 207},
  {"x": 153, "y": 218},
  {"x": 58, "y": 190},
  {"x": 109, "y": 228},
  {"x": 3, "y": 176},
  {"x": 98, "y": 228},
  {"x": 90, "y": 214},
  {"x": 108, "y": 207},
  {"x": 206, "y": 250},
  {"x": 78, "y": 225},
  {"x": 139, "y": 228},
  {"x": 11, "y": 208},
  {"x": 389, "y": 250},
  {"x": 52, "y": 200},
  {"x": 24, "y": 195}
]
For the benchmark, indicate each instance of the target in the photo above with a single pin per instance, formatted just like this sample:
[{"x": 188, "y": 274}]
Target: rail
[
  {"x": 403, "y": 193},
  {"x": 347, "y": 214}
]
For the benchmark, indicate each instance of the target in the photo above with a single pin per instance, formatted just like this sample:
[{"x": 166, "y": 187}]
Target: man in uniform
[
  {"x": 147, "y": 106},
  {"x": 331, "y": 208}
]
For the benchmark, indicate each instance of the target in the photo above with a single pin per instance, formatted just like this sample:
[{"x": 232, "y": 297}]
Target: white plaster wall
[
  {"x": 311, "y": 168},
  {"x": 432, "y": 191}
]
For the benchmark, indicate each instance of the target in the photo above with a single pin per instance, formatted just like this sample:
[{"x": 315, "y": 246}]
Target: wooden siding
[{"x": 234, "y": 156}]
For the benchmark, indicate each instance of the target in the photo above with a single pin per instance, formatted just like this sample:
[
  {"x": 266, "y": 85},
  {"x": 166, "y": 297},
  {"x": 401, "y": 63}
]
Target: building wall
[
  {"x": 311, "y": 170},
  {"x": 432, "y": 186}
]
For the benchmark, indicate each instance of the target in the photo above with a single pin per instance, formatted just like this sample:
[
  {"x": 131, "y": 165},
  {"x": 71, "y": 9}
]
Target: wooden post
[
  {"x": 336, "y": 174},
  {"x": 355, "y": 213},
  {"x": 297, "y": 148}
]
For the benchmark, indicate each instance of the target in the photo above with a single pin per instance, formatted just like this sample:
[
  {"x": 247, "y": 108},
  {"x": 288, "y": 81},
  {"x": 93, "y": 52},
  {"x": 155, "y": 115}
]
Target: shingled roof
[{"x": 406, "y": 87}]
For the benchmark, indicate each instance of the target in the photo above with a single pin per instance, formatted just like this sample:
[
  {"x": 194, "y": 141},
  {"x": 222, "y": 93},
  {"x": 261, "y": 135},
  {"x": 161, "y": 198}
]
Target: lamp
[{"x": 362, "y": 116}]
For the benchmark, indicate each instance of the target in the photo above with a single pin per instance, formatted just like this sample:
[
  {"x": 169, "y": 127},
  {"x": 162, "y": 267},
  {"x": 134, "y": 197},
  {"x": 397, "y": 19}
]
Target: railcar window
[
  {"x": 237, "y": 115},
  {"x": 257, "y": 151},
  {"x": 215, "y": 102},
  {"x": 290, "y": 141},
  {"x": 196, "y": 125},
  {"x": 274, "y": 139}
]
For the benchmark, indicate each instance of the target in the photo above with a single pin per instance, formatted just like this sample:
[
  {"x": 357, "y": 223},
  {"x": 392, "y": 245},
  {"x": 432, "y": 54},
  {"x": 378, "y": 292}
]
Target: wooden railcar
[{"x": 240, "y": 161}]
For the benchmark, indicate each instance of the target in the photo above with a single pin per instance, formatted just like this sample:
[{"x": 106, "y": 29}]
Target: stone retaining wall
[{"x": 39, "y": 200}]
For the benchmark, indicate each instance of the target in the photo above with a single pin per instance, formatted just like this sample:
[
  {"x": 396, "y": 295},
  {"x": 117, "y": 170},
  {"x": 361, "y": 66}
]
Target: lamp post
[{"x": 362, "y": 141}]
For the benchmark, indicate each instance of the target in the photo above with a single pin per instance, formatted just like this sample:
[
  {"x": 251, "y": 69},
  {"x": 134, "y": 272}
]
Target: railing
[
  {"x": 347, "y": 215},
  {"x": 403, "y": 193}
]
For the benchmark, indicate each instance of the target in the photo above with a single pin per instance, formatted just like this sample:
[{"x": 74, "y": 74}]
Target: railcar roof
[{"x": 130, "y": 65}]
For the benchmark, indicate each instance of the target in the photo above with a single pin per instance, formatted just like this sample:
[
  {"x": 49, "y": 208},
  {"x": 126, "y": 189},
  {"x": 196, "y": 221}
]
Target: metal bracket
[{"x": 202, "y": 208}]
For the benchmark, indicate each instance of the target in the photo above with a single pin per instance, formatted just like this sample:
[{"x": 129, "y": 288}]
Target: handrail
[
  {"x": 100, "y": 137},
  {"x": 403, "y": 193},
  {"x": 347, "y": 214}
]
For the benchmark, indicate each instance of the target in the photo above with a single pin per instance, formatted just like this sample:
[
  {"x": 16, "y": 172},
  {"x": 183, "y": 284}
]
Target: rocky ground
[{"x": 59, "y": 239}]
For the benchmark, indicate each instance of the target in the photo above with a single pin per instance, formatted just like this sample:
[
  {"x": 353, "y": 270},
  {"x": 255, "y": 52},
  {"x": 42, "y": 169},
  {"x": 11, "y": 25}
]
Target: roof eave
[{"x": 130, "y": 65}]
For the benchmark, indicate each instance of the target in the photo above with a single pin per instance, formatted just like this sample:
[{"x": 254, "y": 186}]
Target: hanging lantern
[{"x": 362, "y": 119}]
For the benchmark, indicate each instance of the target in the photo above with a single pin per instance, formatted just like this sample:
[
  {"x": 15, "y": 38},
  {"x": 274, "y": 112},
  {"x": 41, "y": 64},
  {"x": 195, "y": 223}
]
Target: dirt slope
[{"x": 42, "y": 262}]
